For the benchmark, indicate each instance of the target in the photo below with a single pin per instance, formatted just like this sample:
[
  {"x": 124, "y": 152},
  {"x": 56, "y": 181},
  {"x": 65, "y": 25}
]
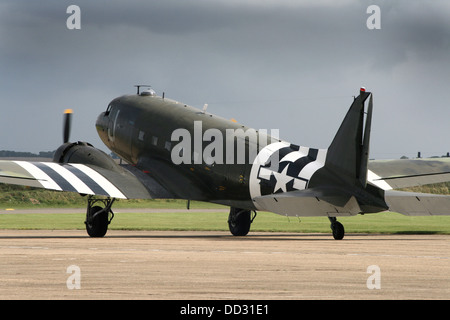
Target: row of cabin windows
[
  {"x": 168, "y": 147},
  {"x": 167, "y": 144}
]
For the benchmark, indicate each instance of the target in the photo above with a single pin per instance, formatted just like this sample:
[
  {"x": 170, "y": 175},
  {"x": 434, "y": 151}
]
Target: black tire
[
  {"x": 338, "y": 230},
  {"x": 239, "y": 222},
  {"x": 97, "y": 226}
]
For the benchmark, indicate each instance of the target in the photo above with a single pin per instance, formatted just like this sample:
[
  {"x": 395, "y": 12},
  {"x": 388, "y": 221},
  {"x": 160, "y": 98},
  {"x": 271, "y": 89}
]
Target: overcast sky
[{"x": 274, "y": 64}]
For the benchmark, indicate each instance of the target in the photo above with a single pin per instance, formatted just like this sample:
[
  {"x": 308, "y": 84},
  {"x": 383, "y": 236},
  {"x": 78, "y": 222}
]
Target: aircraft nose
[
  {"x": 101, "y": 122},
  {"x": 102, "y": 125}
]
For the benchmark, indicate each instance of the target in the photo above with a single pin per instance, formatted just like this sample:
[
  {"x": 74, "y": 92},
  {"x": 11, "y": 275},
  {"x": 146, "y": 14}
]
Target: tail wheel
[{"x": 239, "y": 221}]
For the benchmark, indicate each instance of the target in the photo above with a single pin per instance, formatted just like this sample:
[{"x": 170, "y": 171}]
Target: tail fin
[
  {"x": 365, "y": 146},
  {"x": 349, "y": 152}
]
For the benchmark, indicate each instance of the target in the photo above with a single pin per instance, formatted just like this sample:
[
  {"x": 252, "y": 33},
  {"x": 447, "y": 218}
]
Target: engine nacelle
[{"x": 85, "y": 153}]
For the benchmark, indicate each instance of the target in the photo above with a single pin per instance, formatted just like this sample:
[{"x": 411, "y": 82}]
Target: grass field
[
  {"x": 265, "y": 221},
  {"x": 19, "y": 198}
]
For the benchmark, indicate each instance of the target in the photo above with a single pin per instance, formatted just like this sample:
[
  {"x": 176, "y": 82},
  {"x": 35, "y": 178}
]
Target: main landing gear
[
  {"x": 239, "y": 221},
  {"x": 337, "y": 228},
  {"x": 98, "y": 217}
]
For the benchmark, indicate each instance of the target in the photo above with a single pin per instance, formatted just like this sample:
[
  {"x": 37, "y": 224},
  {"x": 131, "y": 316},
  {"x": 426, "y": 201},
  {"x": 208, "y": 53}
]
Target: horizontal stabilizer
[
  {"x": 310, "y": 202},
  {"x": 410, "y": 173},
  {"x": 417, "y": 204}
]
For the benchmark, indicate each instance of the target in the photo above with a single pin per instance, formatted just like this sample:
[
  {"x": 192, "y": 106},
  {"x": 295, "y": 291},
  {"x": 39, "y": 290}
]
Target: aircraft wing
[
  {"x": 410, "y": 173},
  {"x": 80, "y": 178},
  {"x": 330, "y": 202}
]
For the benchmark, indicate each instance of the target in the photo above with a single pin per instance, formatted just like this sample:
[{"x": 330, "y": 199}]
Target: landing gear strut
[
  {"x": 239, "y": 221},
  {"x": 97, "y": 217},
  {"x": 337, "y": 228}
]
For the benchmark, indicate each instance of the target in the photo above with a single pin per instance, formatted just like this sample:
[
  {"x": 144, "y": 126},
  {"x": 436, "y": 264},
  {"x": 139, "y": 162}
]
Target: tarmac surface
[{"x": 46, "y": 264}]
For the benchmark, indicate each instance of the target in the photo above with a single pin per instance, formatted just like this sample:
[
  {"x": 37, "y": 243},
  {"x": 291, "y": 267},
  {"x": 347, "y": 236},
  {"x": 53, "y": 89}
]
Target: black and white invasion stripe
[{"x": 71, "y": 177}]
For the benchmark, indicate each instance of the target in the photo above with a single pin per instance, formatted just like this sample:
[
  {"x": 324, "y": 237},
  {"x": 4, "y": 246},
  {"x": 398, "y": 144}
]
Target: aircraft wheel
[
  {"x": 338, "y": 230},
  {"x": 239, "y": 221},
  {"x": 97, "y": 222}
]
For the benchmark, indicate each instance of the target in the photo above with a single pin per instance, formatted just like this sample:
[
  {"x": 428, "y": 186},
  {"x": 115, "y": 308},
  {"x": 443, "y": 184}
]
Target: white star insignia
[{"x": 282, "y": 179}]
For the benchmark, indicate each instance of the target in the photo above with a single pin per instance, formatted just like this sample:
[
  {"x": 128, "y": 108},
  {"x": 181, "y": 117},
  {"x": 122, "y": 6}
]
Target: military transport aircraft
[{"x": 173, "y": 150}]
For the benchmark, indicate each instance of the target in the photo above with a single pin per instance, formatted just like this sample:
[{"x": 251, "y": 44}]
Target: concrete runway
[{"x": 215, "y": 265}]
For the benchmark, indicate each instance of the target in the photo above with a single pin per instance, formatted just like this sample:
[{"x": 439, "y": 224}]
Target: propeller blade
[{"x": 67, "y": 122}]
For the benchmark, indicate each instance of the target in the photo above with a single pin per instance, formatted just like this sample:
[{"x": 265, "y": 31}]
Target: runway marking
[
  {"x": 244, "y": 252},
  {"x": 396, "y": 256},
  {"x": 24, "y": 247},
  {"x": 241, "y": 252}
]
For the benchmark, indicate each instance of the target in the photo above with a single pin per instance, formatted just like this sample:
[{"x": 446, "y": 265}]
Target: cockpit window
[{"x": 108, "y": 110}]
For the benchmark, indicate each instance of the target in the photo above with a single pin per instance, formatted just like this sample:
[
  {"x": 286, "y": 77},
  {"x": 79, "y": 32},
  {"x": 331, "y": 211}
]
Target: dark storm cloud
[
  {"x": 297, "y": 61},
  {"x": 412, "y": 29}
]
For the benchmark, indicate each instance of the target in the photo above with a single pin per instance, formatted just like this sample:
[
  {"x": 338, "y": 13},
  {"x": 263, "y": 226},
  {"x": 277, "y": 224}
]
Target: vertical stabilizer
[{"x": 348, "y": 153}]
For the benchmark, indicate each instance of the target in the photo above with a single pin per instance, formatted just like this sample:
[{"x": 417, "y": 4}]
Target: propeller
[{"x": 67, "y": 122}]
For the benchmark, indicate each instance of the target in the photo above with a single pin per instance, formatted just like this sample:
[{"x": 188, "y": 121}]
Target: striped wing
[{"x": 73, "y": 177}]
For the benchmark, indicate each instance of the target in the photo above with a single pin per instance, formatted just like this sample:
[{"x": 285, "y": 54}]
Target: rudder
[{"x": 349, "y": 150}]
